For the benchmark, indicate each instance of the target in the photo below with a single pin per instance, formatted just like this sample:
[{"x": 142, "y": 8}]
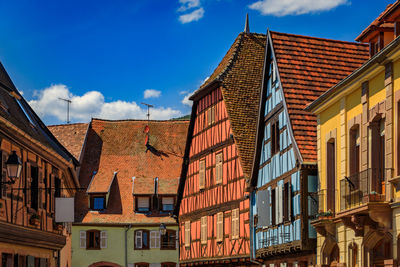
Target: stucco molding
[
  {"x": 377, "y": 112},
  {"x": 331, "y": 135}
]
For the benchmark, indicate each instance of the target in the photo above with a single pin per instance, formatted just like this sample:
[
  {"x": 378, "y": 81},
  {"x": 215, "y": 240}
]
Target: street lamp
[
  {"x": 14, "y": 168},
  {"x": 163, "y": 229}
]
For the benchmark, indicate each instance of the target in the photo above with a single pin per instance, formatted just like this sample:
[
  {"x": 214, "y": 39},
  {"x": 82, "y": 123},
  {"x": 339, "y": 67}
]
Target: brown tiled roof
[
  {"x": 71, "y": 136},
  {"x": 308, "y": 67},
  {"x": 240, "y": 75},
  {"x": 119, "y": 146}
]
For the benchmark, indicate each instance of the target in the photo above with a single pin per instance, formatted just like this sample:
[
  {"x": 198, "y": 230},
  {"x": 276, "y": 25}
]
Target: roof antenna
[
  {"x": 246, "y": 26},
  {"x": 68, "y": 103},
  {"x": 148, "y": 110}
]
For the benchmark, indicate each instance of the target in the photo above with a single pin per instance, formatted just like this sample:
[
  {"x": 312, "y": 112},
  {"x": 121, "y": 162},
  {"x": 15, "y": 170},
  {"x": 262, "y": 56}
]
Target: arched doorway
[
  {"x": 330, "y": 252},
  {"x": 334, "y": 256},
  {"x": 377, "y": 247},
  {"x": 381, "y": 252}
]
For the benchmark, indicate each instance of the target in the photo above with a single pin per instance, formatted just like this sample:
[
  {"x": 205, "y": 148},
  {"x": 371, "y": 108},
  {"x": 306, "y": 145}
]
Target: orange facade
[{"x": 211, "y": 136}]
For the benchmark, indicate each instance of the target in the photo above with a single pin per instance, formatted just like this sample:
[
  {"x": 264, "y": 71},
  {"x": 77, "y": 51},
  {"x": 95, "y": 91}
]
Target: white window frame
[
  {"x": 154, "y": 239},
  {"x": 138, "y": 236},
  {"x": 103, "y": 239}
]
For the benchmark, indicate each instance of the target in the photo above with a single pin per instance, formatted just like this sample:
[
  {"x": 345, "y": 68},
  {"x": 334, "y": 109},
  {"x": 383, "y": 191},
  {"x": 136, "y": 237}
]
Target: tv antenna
[
  {"x": 148, "y": 109},
  {"x": 68, "y": 103}
]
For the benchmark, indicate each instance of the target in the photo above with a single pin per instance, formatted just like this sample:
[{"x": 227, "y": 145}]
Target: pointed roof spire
[{"x": 246, "y": 26}]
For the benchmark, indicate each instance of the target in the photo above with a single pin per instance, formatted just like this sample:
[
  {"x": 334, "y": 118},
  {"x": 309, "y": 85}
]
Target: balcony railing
[{"x": 363, "y": 187}]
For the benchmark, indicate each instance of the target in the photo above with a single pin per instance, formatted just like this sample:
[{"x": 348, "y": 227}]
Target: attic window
[
  {"x": 97, "y": 202},
  {"x": 142, "y": 204},
  {"x": 167, "y": 203}
]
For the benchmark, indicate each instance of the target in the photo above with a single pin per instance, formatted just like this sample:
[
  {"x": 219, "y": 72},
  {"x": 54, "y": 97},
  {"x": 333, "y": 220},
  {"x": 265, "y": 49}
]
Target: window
[
  {"x": 202, "y": 173},
  {"x": 275, "y": 136},
  {"x": 93, "y": 239},
  {"x": 167, "y": 203},
  {"x": 218, "y": 168},
  {"x": 34, "y": 185},
  {"x": 155, "y": 239},
  {"x": 169, "y": 240},
  {"x": 273, "y": 206},
  {"x": 331, "y": 174},
  {"x": 235, "y": 224},
  {"x": 287, "y": 202},
  {"x": 141, "y": 239},
  {"x": 142, "y": 204},
  {"x": 354, "y": 152},
  {"x": 142, "y": 264},
  {"x": 353, "y": 255},
  {"x": 187, "y": 234},
  {"x": 98, "y": 203},
  {"x": 220, "y": 226},
  {"x": 203, "y": 232},
  {"x": 377, "y": 159}
]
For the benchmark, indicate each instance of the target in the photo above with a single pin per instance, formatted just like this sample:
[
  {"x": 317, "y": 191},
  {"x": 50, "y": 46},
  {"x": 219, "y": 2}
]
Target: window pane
[
  {"x": 145, "y": 239},
  {"x": 98, "y": 203}
]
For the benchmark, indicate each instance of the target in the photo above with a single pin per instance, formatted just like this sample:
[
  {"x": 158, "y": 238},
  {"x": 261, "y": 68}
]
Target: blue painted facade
[{"x": 282, "y": 184}]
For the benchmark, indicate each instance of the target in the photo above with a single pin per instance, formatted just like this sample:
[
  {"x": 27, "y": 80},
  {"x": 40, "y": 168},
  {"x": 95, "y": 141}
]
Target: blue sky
[{"x": 104, "y": 55}]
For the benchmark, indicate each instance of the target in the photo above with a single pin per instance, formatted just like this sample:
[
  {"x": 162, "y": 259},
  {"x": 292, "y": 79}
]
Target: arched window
[{"x": 353, "y": 255}]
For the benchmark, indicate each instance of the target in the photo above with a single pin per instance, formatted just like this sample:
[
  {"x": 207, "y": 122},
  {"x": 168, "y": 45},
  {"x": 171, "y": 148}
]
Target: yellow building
[{"x": 359, "y": 157}]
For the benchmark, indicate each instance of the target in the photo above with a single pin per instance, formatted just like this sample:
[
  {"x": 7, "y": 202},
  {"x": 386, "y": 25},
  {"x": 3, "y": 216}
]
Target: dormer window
[
  {"x": 167, "y": 203},
  {"x": 97, "y": 202},
  {"x": 142, "y": 204}
]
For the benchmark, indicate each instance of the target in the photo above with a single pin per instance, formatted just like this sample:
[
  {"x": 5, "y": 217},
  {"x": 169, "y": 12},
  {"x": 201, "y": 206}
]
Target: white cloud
[
  {"x": 188, "y": 4},
  {"x": 192, "y": 16},
  {"x": 151, "y": 93},
  {"x": 186, "y": 100},
  {"x": 91, "y": 104},
  {"x": 294, "y": 7}
]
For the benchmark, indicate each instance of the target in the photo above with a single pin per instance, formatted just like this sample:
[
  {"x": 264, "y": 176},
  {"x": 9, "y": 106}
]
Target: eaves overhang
[{"x": 379, "y": 59}]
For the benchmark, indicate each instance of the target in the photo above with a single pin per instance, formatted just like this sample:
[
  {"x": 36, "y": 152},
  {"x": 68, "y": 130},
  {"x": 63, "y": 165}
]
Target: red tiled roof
[
  {"x": 71, "y": 136},
  {"x": 119, "y": 146},
  {"x": 308, "y": 67}
]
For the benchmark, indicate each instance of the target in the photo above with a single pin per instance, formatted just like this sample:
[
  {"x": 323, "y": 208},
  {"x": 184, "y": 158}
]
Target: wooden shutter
[
  {"x": 103, "y": 239},
  {"x": 4, "y": 173},
  {"x": 28, "y": 181},
  {"x": 212, "y": 114},
  {"x": 203, "y": 232},
  {"x": 41, "y": 192},
  {"x": 138, "y": 239},
  {"x": 209, "y": 116},
  {"x": 202, "y": 173},
  {"x": 220, "y": 226},
  {"x": 52, "y": 191},
  {"x": 218, "y": 168},
  {"x": 235, "y": 224},
  {"x": 82, "y": 237},
  {"x": 268, "y": 208},
  {"x": 187, "y": 234}
]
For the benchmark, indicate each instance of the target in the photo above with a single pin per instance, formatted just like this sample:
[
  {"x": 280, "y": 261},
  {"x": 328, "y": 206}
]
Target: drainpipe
[{"x": 126, "y": 244}]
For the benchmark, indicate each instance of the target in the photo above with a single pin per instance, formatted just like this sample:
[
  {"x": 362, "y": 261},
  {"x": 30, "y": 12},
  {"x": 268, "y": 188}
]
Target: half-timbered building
[
  {"x": 284, "y": 182},
  {"x": 30, "y": 232},
  {"x": 213, "y": 205}
]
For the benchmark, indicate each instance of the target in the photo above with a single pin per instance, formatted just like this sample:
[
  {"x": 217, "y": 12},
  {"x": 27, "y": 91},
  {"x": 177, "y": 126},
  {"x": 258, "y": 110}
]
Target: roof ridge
[
  {"x": 139, "y": 120},
  {"x": 69, "y": 124},
  {"x": 320, "y": 38}
]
